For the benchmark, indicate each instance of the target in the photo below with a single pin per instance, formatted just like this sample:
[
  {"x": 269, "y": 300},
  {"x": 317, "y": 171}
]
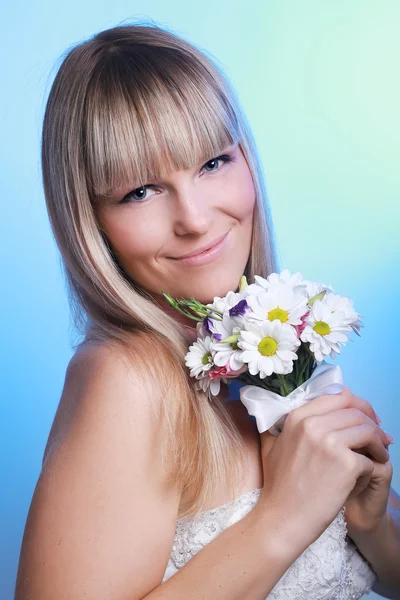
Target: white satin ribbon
[{"x": 271, "y": 409}]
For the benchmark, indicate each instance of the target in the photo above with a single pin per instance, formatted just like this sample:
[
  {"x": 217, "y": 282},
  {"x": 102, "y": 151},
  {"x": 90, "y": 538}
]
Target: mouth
[{"x": 206, "y": 255}]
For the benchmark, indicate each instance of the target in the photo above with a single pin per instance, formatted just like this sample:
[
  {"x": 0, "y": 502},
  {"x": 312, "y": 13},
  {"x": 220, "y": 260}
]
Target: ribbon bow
[{"x": 271, "y": 409}]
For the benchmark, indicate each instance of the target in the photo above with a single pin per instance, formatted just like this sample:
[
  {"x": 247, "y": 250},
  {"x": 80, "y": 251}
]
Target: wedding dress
[{"x": 331, "y": 568}]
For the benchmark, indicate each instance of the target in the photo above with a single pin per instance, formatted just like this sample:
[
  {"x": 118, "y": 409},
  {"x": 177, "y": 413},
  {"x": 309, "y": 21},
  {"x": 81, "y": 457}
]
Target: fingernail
[
  {"x": 378, "y": 419},
  {"x": 389, "y": 437}
]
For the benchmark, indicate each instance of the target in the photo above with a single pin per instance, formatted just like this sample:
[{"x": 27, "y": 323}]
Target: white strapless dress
[{"x": 331, "y": 568}]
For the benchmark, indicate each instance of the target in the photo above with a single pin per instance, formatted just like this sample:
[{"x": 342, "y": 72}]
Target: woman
[{"x": 147, "y": 157}]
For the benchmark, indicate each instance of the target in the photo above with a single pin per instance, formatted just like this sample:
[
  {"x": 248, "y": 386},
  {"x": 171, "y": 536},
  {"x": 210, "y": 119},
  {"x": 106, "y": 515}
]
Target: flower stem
[
  {"x": 249, "y": 379},
  {"x": 302, "y": 370},
  {"x": 283, "y": 387},
  {"x": 187, "y": 314}
]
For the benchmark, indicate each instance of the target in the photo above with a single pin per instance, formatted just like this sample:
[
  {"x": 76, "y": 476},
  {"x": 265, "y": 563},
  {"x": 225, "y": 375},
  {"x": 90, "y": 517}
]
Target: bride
[{"x": 148, "y": 490}]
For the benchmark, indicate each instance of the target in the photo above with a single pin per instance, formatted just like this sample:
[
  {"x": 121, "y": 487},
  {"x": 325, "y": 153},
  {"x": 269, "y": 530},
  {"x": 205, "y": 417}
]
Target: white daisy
[
  {"x": 269, "y": 347},
  {"x": 199, "y": 358},
  {"x": 227, "y": 352},
  {"x": 253, "y": 289},
  {"x": 277, "y": 278},
  {"x": 314, "y": 287},
  {"x": 346, "y": 305},
  {"x": 280, "y": 302},
  {"x": 325, "y": 328},
  {"x": 204, "y": 383}
]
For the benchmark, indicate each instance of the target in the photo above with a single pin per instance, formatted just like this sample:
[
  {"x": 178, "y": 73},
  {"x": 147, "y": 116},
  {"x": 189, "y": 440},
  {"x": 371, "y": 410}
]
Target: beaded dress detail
[{"x": 331, "y": 568}]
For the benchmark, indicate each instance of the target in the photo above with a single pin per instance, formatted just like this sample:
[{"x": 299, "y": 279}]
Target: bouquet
[{"x": 273, "y": 335}]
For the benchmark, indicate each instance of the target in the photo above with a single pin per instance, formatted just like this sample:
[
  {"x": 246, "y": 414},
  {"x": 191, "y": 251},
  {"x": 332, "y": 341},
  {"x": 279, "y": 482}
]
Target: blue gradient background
[{"x": 319, "y": 83}]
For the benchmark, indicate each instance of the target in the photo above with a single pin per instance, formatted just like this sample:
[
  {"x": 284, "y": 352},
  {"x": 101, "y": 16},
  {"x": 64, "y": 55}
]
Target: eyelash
[{"x": 225, "y": 158}]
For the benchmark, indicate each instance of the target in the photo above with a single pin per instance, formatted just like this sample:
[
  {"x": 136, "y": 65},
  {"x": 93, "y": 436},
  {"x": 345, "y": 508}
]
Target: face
[{"x": 150, "y": 227}]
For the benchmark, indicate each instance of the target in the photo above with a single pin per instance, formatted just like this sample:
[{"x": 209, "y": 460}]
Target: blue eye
[
  {"x": 224, "y": 158},
  {"x": 139, "y": 191},
  {"x": 131, "y": 195}
]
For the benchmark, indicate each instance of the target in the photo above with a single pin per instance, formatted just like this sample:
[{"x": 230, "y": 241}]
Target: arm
[
  {"x": 382, "y": 549},
  {"x": 102, "y": 519},
  {"x": 244, "y": 562},
  {"x": 101, "y": 491}
]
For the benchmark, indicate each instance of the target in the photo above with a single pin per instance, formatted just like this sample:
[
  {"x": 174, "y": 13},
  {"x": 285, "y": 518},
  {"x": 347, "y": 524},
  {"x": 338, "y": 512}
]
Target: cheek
[
  {"x": 243, "y": 196},
  {"x": 131, "y": 236}
]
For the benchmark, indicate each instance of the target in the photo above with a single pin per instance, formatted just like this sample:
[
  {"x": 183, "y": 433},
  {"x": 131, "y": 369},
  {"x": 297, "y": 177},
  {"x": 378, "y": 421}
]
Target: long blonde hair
[{"x": 126, "y": 104}]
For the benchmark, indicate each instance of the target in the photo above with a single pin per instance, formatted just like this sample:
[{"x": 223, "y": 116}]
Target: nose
[{"x": 192, "y": 212}]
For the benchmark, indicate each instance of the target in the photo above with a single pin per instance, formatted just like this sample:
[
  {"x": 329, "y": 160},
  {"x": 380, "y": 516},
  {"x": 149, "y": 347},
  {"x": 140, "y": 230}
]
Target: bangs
[{"x": 150, "y": 112}]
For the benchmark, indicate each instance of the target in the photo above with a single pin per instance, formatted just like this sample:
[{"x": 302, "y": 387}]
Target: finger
[
  {"x": 360, "y": 436},
  {"x": 368, "y": 408},
  {"x": 362, "y": 483},
  {"x": 365, "y": 467},
  {"x": 346, "y": 417},
  {"x": 381, "y": 475},
  {"x": 330, "y": 402}
]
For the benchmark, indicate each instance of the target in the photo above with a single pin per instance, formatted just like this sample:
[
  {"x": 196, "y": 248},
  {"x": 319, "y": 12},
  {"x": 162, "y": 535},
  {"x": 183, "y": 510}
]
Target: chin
[{"x": 206, "y": 289}]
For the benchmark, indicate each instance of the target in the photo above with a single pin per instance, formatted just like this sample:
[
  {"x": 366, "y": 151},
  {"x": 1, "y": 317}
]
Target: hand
[
  {"x": 366, "y": 506},
  {"x": 367, "y": 509},
  {"x": 326, "y": 451}
]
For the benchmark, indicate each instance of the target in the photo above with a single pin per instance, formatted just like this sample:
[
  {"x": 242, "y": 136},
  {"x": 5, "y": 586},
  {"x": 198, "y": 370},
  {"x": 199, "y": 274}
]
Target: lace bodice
[{"x": 331, "y": 568}]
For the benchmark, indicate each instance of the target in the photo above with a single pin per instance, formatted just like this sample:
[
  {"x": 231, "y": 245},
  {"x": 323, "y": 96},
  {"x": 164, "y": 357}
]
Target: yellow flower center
[
  {"x": 267, "y": 346},
  {"x": 278, "y": 313},
  {"x": 205, "y": 358},
  {"x": 322, "y": 328}
]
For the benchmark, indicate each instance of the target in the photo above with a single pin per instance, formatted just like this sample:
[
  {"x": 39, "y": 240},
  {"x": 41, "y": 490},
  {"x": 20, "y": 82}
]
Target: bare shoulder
[
  {"x": 104, "y": 507},
  {"x": 100, "y": 377}
]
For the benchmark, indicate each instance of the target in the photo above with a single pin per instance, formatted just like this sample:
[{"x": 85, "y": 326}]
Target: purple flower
[
  {"x": 207, "y": 322},
  {"x": 239, "y": 310}
]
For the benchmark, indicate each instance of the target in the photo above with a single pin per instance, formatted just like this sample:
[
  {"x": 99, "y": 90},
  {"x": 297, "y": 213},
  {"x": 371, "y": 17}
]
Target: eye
[
  {"x": 138, "y": 195},
  {"x": 224, "y": 158}
]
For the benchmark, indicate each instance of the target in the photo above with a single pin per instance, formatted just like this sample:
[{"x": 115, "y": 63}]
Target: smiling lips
[
  {"x": 206, "y": 253},
  {"x": 202, "y": 249}
]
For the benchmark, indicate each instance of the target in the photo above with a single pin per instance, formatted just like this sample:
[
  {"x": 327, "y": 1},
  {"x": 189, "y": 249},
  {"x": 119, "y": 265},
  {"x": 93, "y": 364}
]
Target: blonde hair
[{"x": 125, "y": 104}]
